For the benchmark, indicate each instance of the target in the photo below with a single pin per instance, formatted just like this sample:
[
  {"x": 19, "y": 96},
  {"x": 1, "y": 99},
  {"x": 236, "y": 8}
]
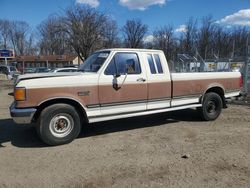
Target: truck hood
[
  {"x": 46, "y": 75},
  {"x": 50, "y": 80}
]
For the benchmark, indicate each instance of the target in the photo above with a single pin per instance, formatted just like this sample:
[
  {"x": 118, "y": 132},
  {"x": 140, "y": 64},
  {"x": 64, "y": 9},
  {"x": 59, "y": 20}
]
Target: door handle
[{"x": 141, "y": 80}]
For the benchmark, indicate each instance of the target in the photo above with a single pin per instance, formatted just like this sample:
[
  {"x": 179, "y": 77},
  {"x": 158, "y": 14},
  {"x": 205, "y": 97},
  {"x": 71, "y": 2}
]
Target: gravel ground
[{"x": 165, "y": 150}]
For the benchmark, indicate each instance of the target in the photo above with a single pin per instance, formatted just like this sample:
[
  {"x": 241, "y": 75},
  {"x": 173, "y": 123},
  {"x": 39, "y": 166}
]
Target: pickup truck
[{"x": 114, "y": 84}]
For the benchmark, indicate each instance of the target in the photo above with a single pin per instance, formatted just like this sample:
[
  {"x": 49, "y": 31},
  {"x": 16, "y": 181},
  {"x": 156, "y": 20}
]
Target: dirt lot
[{"x": 135, "y": 152}]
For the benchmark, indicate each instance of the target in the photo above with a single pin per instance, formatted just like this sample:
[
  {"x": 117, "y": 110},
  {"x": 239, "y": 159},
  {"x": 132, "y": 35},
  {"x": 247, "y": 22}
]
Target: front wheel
[
  {"x": 59, "y": 124},
  {"x": 211, "y": 106}
]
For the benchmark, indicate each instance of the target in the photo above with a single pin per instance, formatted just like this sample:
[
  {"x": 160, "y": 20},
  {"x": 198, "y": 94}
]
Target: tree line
[{"x": 82, "y": 30}]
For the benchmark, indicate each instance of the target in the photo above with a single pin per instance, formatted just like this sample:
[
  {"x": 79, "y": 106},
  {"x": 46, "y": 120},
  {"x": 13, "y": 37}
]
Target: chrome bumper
[{"x": 22, "y": 116}]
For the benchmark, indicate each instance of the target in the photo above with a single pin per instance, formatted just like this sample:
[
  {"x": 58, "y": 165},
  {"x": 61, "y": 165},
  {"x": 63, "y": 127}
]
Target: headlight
[{"x": 20, "y": 94}]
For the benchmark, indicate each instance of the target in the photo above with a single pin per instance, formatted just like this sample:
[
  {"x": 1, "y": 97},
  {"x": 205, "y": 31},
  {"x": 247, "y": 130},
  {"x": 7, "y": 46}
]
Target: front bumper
[{"x": 22, "y": 115}]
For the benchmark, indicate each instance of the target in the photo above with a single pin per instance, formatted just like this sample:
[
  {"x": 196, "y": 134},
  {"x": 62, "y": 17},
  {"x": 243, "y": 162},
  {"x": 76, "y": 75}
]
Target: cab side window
[
  {"x": 123, "y": 63},
  {"x": 158, "y": 63},
  {"x": 151, "y": 64},
  {"x": 154, "y": 63}
]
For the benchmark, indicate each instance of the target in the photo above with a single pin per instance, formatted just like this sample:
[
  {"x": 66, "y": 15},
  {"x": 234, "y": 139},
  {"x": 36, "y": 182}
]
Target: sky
[{"x": 154, "y": 13}]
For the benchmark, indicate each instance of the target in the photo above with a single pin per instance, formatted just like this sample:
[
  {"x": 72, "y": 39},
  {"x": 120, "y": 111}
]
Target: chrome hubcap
[
  {"x": 61, "y": 125},
  {"x": 211, "y": 107}
]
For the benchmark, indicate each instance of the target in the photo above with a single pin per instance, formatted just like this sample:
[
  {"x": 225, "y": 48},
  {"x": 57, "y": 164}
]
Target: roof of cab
[{"x": 130, "y": 49}]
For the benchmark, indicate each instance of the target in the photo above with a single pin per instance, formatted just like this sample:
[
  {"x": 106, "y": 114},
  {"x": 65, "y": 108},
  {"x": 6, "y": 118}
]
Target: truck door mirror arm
[{"x": 115, "y": 82}]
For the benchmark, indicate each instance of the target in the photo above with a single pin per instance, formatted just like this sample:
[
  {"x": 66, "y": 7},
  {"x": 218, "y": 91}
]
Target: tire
[
  {"x": 58, "y": 124},
  {"x": 211, "y": 106}
]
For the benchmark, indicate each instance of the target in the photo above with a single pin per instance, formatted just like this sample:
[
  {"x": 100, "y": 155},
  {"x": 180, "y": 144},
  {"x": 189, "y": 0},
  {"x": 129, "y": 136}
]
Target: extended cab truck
[{"x": 114, "y": 84}]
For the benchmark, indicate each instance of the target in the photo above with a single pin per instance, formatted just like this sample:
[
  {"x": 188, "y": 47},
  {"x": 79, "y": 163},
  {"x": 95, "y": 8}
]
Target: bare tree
[
  {"x": 18, "y": 33},
  {"x": 221, "y": 42},
  {"x": 164, "y": 40},
  {"x": 205, "y": 37},
  {"x": 53, "y": 40},
  {"x": 85, "y": 28},
  {"x": 110, "y": 38},
  {"x": 4, "y": 33},
  {"x": 188, "y": 41},
  {"x": 31, "y": 48},
  {"x": 240, "y": 38},
  {"x": 134, "y": 31}
]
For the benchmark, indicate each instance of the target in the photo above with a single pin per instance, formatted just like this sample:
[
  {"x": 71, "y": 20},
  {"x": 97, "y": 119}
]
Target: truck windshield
[{"x": 94, "y": 62}]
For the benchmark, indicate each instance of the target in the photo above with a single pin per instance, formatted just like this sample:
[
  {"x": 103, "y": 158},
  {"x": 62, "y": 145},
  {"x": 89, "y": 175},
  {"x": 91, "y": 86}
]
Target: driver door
[{"x": 123, "y": 85}]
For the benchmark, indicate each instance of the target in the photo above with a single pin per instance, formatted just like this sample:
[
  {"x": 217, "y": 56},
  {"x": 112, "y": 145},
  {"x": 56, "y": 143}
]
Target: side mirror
[
  {"x": 115, "y": 82},
  {"x": 116, "y": 87}
]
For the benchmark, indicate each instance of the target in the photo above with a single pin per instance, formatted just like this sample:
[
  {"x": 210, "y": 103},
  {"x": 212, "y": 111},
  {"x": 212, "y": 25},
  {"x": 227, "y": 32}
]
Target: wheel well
[
  {"x": 220, "y": 92},
  {"x": 79, "y": 108}
]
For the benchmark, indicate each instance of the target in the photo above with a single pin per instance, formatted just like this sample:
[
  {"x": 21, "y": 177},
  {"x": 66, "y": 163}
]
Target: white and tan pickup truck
[{"x": 114, "y": 84}]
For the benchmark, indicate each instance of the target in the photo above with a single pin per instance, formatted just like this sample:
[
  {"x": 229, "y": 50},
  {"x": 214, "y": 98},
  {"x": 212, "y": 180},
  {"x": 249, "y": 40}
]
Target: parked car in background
[
  {"x": 67, "y": 66},
  {"x": 29, "y": 70},
  {"x": 67, "y": 69},
  {"x": 10, "y": 71},
  {"x": 42, "y": 70}
]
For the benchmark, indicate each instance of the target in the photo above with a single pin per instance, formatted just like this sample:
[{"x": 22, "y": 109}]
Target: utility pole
[
  {"x": 6, "y": 62},
  {"x": 245, "y": 71}
]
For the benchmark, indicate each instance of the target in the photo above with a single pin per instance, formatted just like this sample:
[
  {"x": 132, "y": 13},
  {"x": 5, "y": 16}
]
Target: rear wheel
[
  {"x": 59, "y": 124},
  {"x": 211, "y": 106}
]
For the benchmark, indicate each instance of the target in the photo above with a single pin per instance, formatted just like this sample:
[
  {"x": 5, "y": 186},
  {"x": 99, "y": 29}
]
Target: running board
[{"x": 143, "y": 113}]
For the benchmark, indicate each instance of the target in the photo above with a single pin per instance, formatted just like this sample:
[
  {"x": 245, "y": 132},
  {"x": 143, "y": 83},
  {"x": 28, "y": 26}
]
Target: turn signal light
[{"x": 20, "y": 94}]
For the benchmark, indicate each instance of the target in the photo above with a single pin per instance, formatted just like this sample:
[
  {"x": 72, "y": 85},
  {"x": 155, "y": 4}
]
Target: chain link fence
[{"x": 188, "y": 63}]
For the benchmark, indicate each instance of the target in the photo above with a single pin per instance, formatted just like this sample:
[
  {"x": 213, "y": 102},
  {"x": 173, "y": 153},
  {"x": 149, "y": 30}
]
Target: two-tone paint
[{"x": 141, "y": 94}]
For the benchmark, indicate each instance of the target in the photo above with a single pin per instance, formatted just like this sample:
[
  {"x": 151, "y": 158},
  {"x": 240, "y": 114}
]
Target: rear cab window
[
  {"x": 151, "y": 64},
  {"x": 154, "y": 63},
  {"x": 158, "y": 63}
]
